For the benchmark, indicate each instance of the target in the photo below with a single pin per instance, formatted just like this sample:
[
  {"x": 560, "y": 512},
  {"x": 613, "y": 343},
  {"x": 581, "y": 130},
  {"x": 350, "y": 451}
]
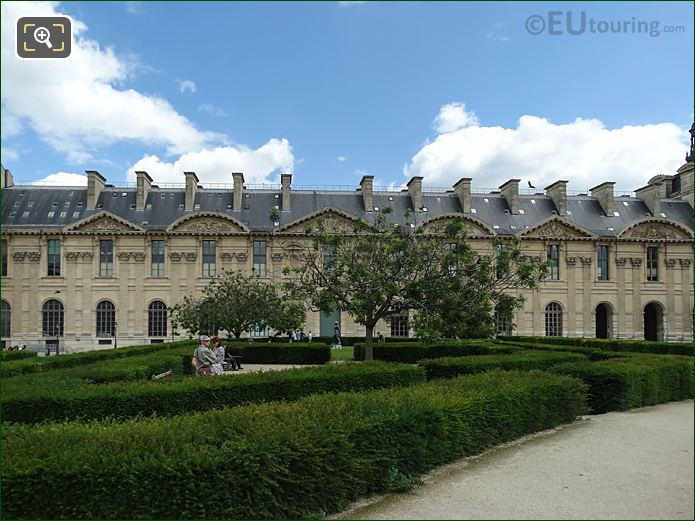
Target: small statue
[{"x": 336, "y": 337}]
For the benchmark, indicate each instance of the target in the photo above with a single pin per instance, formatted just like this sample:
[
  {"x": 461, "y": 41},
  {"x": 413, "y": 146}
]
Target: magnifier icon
[{"x": 42, "y": 35}]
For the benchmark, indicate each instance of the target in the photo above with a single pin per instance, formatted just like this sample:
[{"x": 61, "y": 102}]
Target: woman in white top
[{"x": 218, "y": 349}]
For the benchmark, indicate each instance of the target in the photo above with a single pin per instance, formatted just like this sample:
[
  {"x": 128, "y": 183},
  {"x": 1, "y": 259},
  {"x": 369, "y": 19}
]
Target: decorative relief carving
[
  {"x": 656, "y": 231},
  {"x": 209, "y": 225},
  {"x": 191, "y": 256},
  {"x": 105, "y": 225},
  {"x": 636, "y": 262},
  {"x": 685, "y": 263},
  {"x": 670, "y": 263},
  {"x": 586, "y": 261},
  {"x": 277, "y": 257},
  {"x": 29, "y": 256},
  {"x": 571, "y": 261},
  {"x": 241, "y": 257},
  {"x": 136, "y": 256},
  {"x": 177, "y": 256},
  {"x": 620, "y": 261},
  {"x": 77, "y": 255},
  {"x": 227, "y": 256},
  {"x": 555, "y": 230}
]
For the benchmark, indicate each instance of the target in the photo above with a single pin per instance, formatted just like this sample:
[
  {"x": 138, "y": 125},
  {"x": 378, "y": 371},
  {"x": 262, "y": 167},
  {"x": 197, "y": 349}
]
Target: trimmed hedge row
[
  {"x": 618, "y": 385},
  {"x": 281, "y": 460},
  {"x": 449, "y": 367},
  {"x": 611, "y": 344},
  {"x": 17, "y": 355},
  {"x": 47, "y": 363},
  {"x": 411, "y": 353},
  {"x": 594, "y": 354},
  {"x": 346, "y": 341},
  {"x": 294, "y": 353},
  {"x": 130, "y": 399}
]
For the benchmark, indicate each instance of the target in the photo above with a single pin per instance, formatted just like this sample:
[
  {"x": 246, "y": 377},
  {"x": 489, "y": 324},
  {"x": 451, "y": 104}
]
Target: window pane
[
  {"x": 602, "y": 262},
  {"x": 209, "y": 258},
  {"x": 157, "y": 323},
  {"x": 157, "y": 258},
  {"x": 553, "y": 319},
  {"x": 106, "y": 258},
  {"x": 6, "y": 316},
  {"x": 106, "y": 319},
  {"x": 554, "y": 262},
  {"x": 399, "y": 325},
  {"x": 53, "y": 258},
  {"x": 52, "y": 318},
  {"x": 652, "y": 263},
  {"x": 259, "y": 258},
  {"x": 3, "y": 245}
]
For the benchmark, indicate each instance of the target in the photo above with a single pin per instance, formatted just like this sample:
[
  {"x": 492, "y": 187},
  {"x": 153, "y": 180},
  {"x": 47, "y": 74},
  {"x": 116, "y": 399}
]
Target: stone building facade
[{"x": 86, "y": 268}]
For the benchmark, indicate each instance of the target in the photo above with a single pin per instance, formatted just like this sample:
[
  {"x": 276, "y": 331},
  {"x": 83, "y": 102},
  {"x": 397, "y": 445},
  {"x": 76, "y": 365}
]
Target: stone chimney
[
  {"x": 7, "y": 179},
  {"x": 652, "y": 196},
  {"x": 144, "y": 185},
  {"x": 286, "y": 180},
  {"x": 463, "y": 191},
  {"x": 366, "y": 187},
  {"x": 604, "y": 194},
  {"x": 191, "y": 187},
  {"x": 415, "y": 191},
  {"x": 95, "y": 184},
  {"x": 239, "y": 190},
  {"x": 558, "y": 193},
  {"x": 685, "y": 173},
  {"x": 510, "y": 191}
]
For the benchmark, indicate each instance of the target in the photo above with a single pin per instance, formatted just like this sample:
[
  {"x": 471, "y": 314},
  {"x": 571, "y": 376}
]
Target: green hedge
[
  {"x": 48, "y": 363},
  {"x": 280, "y": 460},
  {"x": 294, "y": 353},
  {"x": 594, "y": 354},
  {"x": 345, "y": 340},
  {"x": 26, "y": 404},
  {"x": 612, "y": 344},
  {"x": 617, "y": 385},
  {"x": 410, "y": 353},
  {"x": 522, "y": 361},
  {"x": 17, "y": 355}
]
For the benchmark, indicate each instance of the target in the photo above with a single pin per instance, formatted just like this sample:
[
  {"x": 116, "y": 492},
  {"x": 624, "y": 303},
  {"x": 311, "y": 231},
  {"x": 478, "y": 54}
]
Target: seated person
[{"x": 233, "y": 360}]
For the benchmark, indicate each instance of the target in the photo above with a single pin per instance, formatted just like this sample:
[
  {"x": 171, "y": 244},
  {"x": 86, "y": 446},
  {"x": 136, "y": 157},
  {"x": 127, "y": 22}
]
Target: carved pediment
[
  {"x": 656, "y": 229},
  {"x": 207, "y": 222},
  {"x": 103, "y": 222},
  {"x": 474, "y": 227},
  {"x": 331, "y": 219},
  {"x": 557, "y": 228}
]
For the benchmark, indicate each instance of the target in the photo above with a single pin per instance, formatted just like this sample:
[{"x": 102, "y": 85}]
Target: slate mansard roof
[{"x": 52, "y": 208}]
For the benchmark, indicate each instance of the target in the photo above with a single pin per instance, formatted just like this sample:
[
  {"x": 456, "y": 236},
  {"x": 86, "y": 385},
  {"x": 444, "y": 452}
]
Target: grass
[{"x": 342, "y": 353}]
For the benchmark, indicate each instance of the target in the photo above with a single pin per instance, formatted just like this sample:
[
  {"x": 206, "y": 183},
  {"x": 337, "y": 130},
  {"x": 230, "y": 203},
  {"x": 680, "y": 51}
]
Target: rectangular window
[
  {"x": 106, "y": 258},
  {"x": 399, "y": 325},
  {"x": 554, "y": 262},
  {"x": 602, "y": 262},
  {"x": 503, "y": 323},
  {"x": 652, "y": 263},
  {"x": 259, "y": 256},
  {"x": 158, "y": 258},
  {"x": 3, "y": 246},
  {"x": 501, "y": 266},
  {"x": 209, "y": 258},
  {"x": 54, "y": 258}
]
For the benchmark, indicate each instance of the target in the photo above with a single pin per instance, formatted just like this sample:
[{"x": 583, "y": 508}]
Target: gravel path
[{"x": 622, "y": 465}]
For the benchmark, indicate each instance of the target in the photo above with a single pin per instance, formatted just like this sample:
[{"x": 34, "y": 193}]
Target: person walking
[
  {"x": 203, "y": 357},
  {"x": 310, "y": 336},
  {"x": 218, "y": 350}
]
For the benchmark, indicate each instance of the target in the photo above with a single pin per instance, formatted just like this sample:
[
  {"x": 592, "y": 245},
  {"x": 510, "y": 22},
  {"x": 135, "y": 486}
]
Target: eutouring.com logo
[{"x": 560, "y": 23}]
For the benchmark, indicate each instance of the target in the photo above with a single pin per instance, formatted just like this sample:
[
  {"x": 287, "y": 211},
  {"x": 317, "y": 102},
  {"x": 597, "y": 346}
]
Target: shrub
[
  {"x": 48, "y": 363},
  {"x": 30, "y": 404},
  {"x": 523, "y": 361},
  {"x": 17, "y": 355},
  {"x": 279, "y": 460},
  {"x": 410, "y": 353},
  {"x": 612, "y": 344},
  {"x": 620, "y": 384},
  {"x": 294, "y": 353},
  {"x": 593, "y": 354}
]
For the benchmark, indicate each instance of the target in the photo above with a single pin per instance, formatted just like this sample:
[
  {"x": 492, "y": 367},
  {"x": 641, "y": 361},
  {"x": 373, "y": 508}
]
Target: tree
[
  {"x": 376, "y": 270},
  {"x": 236, "y": 303}
]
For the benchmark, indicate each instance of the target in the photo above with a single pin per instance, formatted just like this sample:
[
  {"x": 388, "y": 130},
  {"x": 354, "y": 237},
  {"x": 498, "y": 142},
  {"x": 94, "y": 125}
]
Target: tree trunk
[
  {"x": 237, "y": 333},
  {"x": 369, "y": 343}
]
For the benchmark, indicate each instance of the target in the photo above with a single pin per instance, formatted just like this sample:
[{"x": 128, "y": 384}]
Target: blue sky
[{"x": 331, "y": 92}]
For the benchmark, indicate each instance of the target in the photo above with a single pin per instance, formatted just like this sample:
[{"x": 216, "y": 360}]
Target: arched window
[
  {"x": 553, "y": 319},
  {"x": 106, "y": 318},
  {"x": 53, "y": 318},
  {"x": 5, "y": 310},
  {"x": 157, "y": 323}
]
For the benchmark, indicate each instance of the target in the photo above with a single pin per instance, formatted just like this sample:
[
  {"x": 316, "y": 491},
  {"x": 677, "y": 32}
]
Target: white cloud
[
  {"x": 63, "y": 179},
  {"x": 351, "y": 3},
  {"x": 212, "y": 110},
  {"x": 452, "y": 117},
  {"x": 215, "y": 165},
  {"x": 79, "y": 104},
  {"x": 584, "y": 152},
  {"x": 186, "y": 85},
  {"x": 9, "y": 154},
  {"x": 133, "y": 7},
  {"x": 496, "y": 35},
  {"x": 342, "y": 159}
]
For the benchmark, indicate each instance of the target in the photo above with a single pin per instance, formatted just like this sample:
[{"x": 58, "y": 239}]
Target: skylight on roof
[
  {"x": 616, "y": 214},
  {"x": 63, "y": 215},
  {"x": 533, "y": 201},
  {"x": 473, "y": 210},
  {"x": 124, "y": 194},
  {"x": 624, "y": 203},
  {"x": 114, "y": 194},
  {"x": 75, "y": 215},
  {"x": 25, "y": 214},
  {"x": 521, "y": 212},
  {"x": 50, "y": 214}
]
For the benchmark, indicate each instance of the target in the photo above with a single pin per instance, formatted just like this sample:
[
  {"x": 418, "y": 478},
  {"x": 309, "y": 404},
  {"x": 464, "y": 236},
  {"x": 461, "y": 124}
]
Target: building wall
[{"x": 132, "y": 288}]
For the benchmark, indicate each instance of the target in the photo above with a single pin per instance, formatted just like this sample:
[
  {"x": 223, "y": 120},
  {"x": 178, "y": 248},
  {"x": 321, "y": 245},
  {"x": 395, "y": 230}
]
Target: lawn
[{"x": 342, "y": 353}]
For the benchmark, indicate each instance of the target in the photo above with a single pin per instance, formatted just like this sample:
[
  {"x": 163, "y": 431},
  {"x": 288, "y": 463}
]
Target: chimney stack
[
  {"x": 239, "y": 191},
  {"x": 286, "y": 180},
  {"x": 652, "y": 196},
  {"x": 191, "y": 187},
  {"x": 95, "y": 184},
  {"x": 604, "y": 194},
  {"x": 558, "y": 193},
  {"x": 685, "y": 173},
  {"x": 366, "y": 187},
  {"x": 463, "y": 191},
  {"x": 415, "y": 191},
  {"x": 510, "y": 191},
  {"x": 7, "y": 179},
  {"x": 144, "y": 185}
]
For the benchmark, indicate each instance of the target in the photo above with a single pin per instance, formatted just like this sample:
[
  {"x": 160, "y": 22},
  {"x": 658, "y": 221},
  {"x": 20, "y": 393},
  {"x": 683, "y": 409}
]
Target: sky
[{"x": 332, "y": 91}]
